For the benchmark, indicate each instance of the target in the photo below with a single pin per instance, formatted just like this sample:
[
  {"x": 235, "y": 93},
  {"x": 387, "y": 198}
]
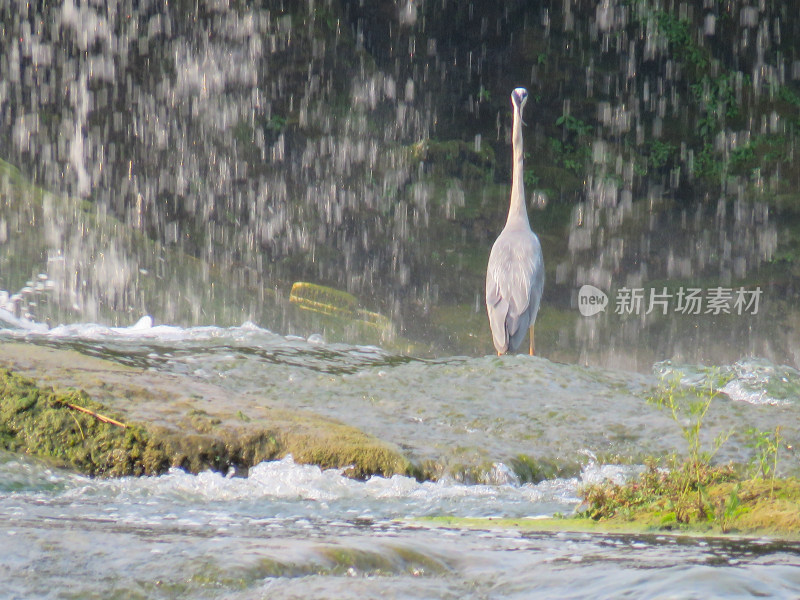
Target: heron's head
[{"x": 518, "y": 98}]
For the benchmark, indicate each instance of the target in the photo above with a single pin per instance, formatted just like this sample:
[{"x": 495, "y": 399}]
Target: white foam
[
  {"x": 736, "y": 390},
  {"x": 315, "y": 339},
  {"x": 758, "y": 381},
  {"x": 146, "y": 322},
  {"x": 594, "y": 473},
  {"x": 286, "y": 481},
  {"x": 144, "y": 328},
  {"x": 753, "y": 380},
  {"x": 8, "y": 318}
]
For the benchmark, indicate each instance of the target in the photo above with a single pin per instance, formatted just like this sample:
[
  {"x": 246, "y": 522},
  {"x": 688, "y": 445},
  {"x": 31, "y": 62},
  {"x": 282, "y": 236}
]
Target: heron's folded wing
[
  {"x": 497, "y": 309},
  {"x": 512, "y": 266}
]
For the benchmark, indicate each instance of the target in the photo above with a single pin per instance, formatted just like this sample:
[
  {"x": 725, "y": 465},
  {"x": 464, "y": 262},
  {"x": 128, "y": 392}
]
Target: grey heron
[{"x": 515, "y": 274}]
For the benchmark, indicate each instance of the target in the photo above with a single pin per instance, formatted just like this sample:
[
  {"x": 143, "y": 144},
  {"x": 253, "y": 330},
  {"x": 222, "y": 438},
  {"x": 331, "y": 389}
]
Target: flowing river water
[
  {"x": 187, "y": 162},
  {"x": 285, "y": 530}
]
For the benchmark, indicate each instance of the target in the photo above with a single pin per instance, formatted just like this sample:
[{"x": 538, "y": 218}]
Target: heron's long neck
[{"x": 517, "y": 211}]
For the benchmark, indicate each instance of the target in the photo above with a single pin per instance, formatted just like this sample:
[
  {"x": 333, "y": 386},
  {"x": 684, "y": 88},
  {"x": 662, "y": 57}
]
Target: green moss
[
  {"x": 341, "y": 559},
  {"x": 41, "y": 422},
  {"x": 339, "y": 314},
  {"x": 201, "y": 421},
  {"x": 547, "y": 524},
  {"x": 328, "y": 559},
  {"x": 331, "y": 444},
  {"x": 396, "y": 560},
  {"x": 418, "y": 563},
  {"x": 771, "y": 506}
]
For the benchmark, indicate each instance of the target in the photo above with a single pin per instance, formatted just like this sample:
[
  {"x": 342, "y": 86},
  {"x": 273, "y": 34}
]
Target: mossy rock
[
  {"x": 531, "y": 470},
  {"x": 74, "y": 431},
  {"x": 47, "y": 423}
]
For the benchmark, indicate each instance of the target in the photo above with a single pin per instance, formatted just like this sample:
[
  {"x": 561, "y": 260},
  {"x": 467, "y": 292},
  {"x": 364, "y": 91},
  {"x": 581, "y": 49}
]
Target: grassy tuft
[{"x": 692, "y": 491}]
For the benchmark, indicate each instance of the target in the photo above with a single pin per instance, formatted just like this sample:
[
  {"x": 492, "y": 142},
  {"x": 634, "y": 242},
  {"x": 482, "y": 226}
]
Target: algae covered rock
[
  {"x": 138, "y": 423},
  {"x": 69, "y": 428}
]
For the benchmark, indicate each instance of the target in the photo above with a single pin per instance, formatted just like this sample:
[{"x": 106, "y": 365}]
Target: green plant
[
  {"x": 530, "y": 178},
  {"x": 688, "y": 407},
  {"x": 742, "y": 154},
  {"x": 575, "y": 125},
  {"x": 765, "y": 461},
  {"x": 571, "y": 157},
  {"x": 706, "y": 165},
  {"x": 788, "y": 95},
  {"x": 276, "y": 123},
  {"x": 706, "y": 125},
  {"x": 661, "y": 153},
  {"x": 678, "y": 33},
  {"x": 730, "y": 509},
  {"x": 717, "y": 98},
  {"x": 666, "y": 490}
]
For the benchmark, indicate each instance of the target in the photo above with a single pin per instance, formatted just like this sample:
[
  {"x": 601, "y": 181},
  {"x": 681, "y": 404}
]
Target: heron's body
[{"x": 515, "y": 275}]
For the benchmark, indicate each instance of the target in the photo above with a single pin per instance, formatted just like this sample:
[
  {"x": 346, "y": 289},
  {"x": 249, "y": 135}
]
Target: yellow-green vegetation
[
  {"x": 71, "y": 429},
  {"x": 694, "y": 493},
  {"x": 719, "y": 502},
  {"x": 543, "y": 525},
  {"x": 345, "y": 447}
]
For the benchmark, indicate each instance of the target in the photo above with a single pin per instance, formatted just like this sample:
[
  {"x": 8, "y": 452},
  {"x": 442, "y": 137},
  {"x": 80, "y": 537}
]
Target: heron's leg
[{"x": 531, "y": 350}]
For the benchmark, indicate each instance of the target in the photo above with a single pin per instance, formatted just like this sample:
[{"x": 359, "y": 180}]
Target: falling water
[{"x": 191, "y": 160}]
